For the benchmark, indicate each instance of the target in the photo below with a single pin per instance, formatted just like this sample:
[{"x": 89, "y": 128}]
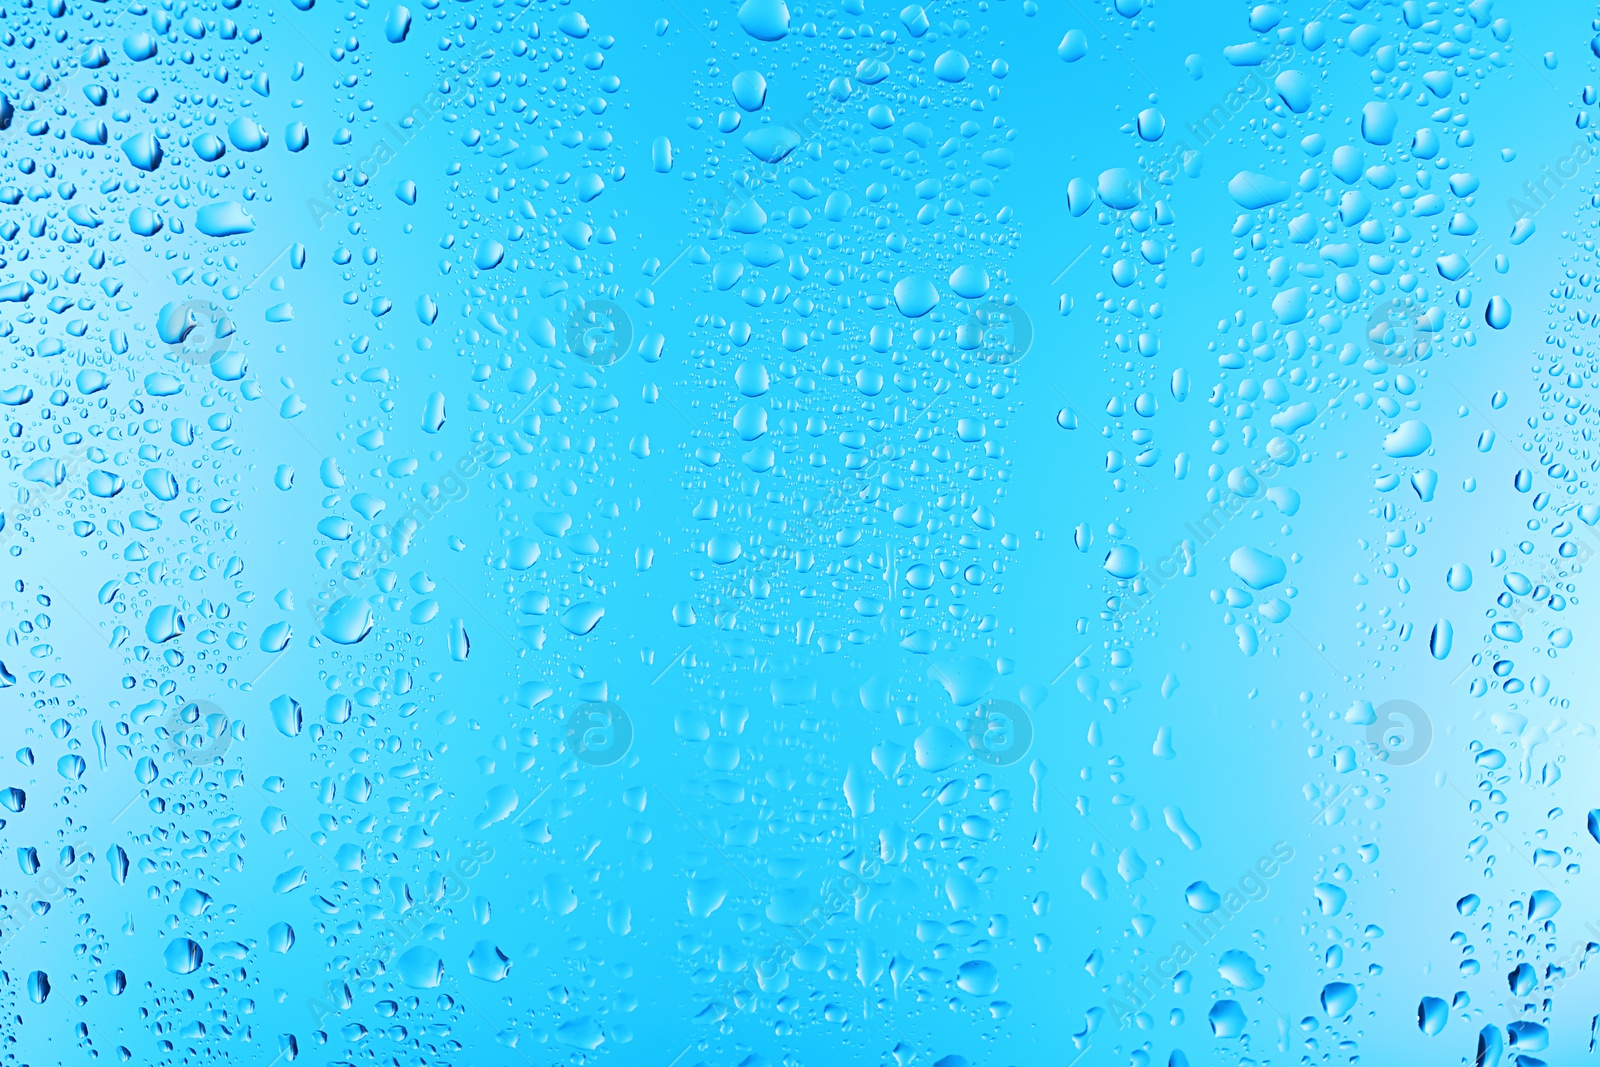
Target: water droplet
[
  {"x": 1432, "y": 1014},
  {"x": 1256, "y": 568},
  {"x": 938, "y": 748},
  {"x": 143, "y": 151},
  {"x": 225, "y": 219},
  {"x": 765, "y": 20},
  {"x": 1498, "y": 312},
  {"x": 1338, "y": 998},
  {"x": 433, "y": 413},
  {"x": 1441, "y": 640},
  {"x": 139, "y": 46},
  {"x": 1253, "y": 191},
  {"x": 969, "y": 281},
  {"x": 164, "y": 623},
  {"x": 287, "y": 715},
  {"x": 348, "y": 621},
  {"x": 183, "y": 956},
  {"x": 749, "y": 90},
  {"x": 915, "y": 296},
  {"x": 1542, "y": 904},
  {"x": 582, "y": 617},
  {"x": 1227, "y": 1019},
  {"x": 1202, "y": 898},
  {"x": 1238, "y": 968},
  {"x": 723, "y": 548},
  {"x": 397, "y": 25},
  {"x": 487, "y": 962},
  {"x": 280, "y": 937},
  {"x": 1123, "y": 561},
  {"x": 1330, "y": 898},
  {"x": 489, "y": 254},
  {"x": 951, "y": 66},
  {"x": 978, "y": 977},
  {"x": 1410, "y": 438},
  {"x": 705, "y": 896},
  {"x": 420, "y": 967},
  {"x": 247, "y": 135}
]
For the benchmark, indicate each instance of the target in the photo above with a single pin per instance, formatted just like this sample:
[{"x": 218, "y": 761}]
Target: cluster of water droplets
[{"x": 552, "y": 532}]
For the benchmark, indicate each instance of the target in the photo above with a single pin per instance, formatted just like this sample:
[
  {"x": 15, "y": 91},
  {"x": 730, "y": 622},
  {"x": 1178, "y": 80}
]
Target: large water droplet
[
  {"x": 280, "y": 937},
  {"x": 164, "y": 623},
  {"x": 582, "y": 617},
  {"x": 247, "y": 135},
  {"x": 420, "y": 968},
  {"x": 1410, "y": 438},
  {"x": 1238, "y": 968},
  {"x": 939, "y": 748},
  {"x": 1227, "y": 1019},
  {"x": 1498, "y": 312},
  {"x": 1432, "y": 1014},
  {"x": 705, "y": 896},
  {"x": 143, "y": 151},
  {"x": 1256, "y": 568},
  {"x": 1123, "y": 561},
  {"x": 397, "y": 25},
  {"x": 287, "y": 715},
  {"x": 487, "y": 962},
  {"x": 1338, "y": 998},
  {"x": 749, "y": 90},
  {"x": 183, "y": 956},
  {"x": 915, "y": 296},
  {"x": 978, "y": 977},
  {"x": 723, "y": 548},
  {"x": 765, "y": 20},
  {"x": 348, "y": 620},
  {"x": 226, "y": 219},
  {"x": 1202, "y": 898},
  {"x": 951, "y": 66},
  {"x": 969, "y": 281},
  {"x": 1542, "y": 904}
]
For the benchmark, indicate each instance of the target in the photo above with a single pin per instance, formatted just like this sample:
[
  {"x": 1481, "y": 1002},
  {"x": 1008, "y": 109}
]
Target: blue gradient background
[{"x": 774, "y": 759}]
